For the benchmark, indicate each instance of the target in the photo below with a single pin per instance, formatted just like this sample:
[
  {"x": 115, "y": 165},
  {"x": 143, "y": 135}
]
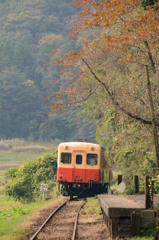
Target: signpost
[{"x": 43, "y": 189}]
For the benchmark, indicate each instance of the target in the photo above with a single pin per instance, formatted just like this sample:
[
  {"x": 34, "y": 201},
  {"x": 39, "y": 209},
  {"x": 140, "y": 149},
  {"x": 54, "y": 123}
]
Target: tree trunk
[{"x": 154, "y": 128}]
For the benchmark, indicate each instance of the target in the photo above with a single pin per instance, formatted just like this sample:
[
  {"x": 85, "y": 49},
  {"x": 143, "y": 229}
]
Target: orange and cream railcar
[{"x": 82, "y": 169}]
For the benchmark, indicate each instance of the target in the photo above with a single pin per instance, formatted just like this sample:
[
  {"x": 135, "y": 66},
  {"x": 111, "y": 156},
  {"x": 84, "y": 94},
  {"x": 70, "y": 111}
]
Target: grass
[
  {"x": 10, "y": 159},
  {"x": 91, "y": 207},
  {"x": 18, "y": 213},
  {"x": 146, "y": 234},
  {"x": 15, "y": 214},
  {"x": 142, "y": 238},
  {"x": 15, "y": 229},
  {"x": 12, "y": 156}
]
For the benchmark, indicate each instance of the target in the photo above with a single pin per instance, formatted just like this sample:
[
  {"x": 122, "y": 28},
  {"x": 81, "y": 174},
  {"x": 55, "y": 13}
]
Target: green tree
[
  {"x": 20, "y": 102},
  {"x": 64, "y": 127}
]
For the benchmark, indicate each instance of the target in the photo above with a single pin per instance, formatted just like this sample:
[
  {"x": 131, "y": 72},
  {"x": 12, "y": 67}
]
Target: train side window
[
  {"x": 66, "y": 158},
  {"x": 92, "y": 159},
  {"x": 78, "y": 159}
]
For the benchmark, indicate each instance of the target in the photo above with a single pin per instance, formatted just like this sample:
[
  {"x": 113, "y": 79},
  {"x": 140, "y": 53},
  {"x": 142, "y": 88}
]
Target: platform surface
[{"x": 123, "y": 206}]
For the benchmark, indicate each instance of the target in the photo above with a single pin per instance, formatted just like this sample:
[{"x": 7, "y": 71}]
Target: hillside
[{"x": 29, "y": 30}]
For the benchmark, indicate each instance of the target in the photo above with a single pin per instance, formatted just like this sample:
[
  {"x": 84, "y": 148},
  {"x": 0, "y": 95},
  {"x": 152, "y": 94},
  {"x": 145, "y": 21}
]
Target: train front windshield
[
  {"x": 66, "y": 158},
  {"x": 92, "y": 159}
]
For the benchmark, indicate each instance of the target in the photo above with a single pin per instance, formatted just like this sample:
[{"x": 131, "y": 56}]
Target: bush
[{"x": 26, "y": 180}]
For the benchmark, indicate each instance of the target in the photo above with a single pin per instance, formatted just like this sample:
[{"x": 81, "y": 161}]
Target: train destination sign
[{"x": 43, "y": 187}]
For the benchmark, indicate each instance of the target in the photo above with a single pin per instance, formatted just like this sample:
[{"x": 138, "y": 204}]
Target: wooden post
[
  {"x": 148, "y": 192},
  {"x": 114, "y": 227},
  {"x": 135, "y": 220},
  {"x": 136, "y": 182},
  {"x": 119, "y": 179}
]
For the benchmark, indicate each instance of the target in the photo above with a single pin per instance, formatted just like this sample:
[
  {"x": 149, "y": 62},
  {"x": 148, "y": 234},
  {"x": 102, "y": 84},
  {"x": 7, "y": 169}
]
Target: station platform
[{"x": 126, "y": 214}]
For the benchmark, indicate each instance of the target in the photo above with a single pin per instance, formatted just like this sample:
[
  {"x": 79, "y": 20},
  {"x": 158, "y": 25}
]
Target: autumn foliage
[{"x": 118, "y": 38}]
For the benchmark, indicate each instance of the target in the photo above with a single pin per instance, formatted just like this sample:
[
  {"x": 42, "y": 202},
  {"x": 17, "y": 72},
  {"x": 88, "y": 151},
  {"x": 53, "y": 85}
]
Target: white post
[
  {"x": 9, "y": 218},
  {"x": 43, "y": 197}
]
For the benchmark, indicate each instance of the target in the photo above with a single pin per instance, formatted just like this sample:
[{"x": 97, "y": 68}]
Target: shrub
[{"x": 26, "y": 180}]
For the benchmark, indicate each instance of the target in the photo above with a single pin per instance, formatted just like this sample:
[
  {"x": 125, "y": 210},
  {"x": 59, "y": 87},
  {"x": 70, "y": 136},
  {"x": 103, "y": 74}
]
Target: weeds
[
  {"x": 91, "y": 207},
  {"x": 17, "y": 214}
]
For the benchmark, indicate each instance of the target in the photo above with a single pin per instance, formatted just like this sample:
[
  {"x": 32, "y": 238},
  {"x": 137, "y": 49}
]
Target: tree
[
  {"x": 20, "y": 105},
  {"x": 119, "y": 57},
  {"x": 65, "y": 127}
]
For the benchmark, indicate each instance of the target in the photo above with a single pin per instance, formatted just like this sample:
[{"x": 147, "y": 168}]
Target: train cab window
[
  {"x": 78, "y": 159},
  {"x": 66, "y": 158},
  {"x": 92, "y": 159}
]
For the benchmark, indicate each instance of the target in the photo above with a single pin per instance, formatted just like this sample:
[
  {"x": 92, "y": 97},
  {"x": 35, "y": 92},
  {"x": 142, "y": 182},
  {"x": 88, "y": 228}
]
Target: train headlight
[
  {"x": 92, "y": 148},
  {"x": 66, "y": 147}
]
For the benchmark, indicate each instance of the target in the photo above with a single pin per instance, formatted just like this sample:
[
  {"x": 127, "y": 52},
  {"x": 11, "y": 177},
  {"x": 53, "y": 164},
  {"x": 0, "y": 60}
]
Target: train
[{"x": 82, "y": 169}]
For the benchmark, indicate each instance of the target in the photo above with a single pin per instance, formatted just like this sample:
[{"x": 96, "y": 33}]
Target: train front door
[{"x": 78, "y": 171}]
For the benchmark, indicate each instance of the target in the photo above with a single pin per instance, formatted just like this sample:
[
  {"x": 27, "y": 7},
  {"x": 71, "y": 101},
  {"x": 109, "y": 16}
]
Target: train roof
[{"x": 77, "y": 144}]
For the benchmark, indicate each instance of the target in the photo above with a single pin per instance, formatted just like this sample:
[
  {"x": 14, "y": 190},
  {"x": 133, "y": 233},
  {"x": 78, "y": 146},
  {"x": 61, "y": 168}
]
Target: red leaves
[{"x": 128, "y": 15}]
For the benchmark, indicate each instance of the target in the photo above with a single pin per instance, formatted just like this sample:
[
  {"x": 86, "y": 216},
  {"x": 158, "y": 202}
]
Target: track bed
[{"x": 61, "y": 226}]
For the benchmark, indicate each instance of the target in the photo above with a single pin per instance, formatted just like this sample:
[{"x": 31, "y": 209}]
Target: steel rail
[
  {"x": 76, "y": 220},
  {"x": 42, "y": 226}
]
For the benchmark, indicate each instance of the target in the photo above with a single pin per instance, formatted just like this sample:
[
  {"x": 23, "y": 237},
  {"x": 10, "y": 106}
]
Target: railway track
[{"x": 62, "y": 222}]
